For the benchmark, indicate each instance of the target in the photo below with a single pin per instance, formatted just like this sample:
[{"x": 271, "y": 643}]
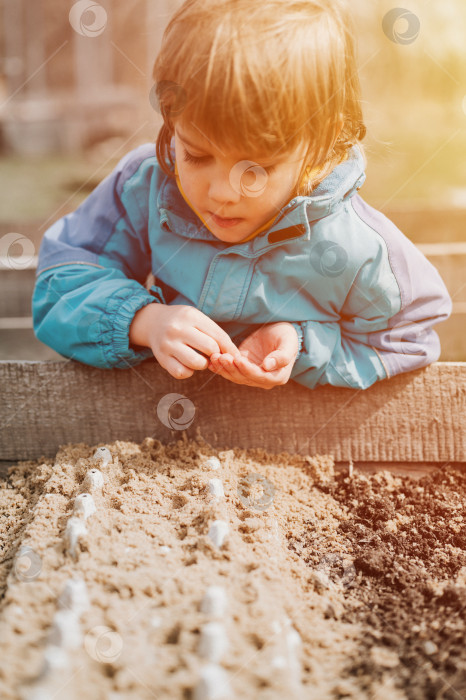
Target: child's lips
[{"x": 224, "y": 222}]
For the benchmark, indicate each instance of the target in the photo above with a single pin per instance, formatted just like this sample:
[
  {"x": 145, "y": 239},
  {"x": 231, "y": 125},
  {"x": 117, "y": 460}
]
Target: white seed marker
[
  {"x": 66, "y": 630},
  {"x": 214, "y": 602},
  {"x": 74, "y": 596},
  {"x": 212, "y": 463},
  {"x": 216, "y": 488},
  {"x": 83, "y": 508},
  {"x": 213, "y": 684},
  {"x": 65, "y": 633},
  {"x": 54, "y": 658},
  {"x": 93, "y": 481},
  {"x": 213, "y": 643},
  {"x": 44, "y": 692},
  {"x": 293, "y": 647},
  {"x": 102, "y": 455},
  {"x": 84, "y": 505},
  {"x": 288, "y": 649},
  {"x": 75, "y": 529},
  {"x": 218, "y": 531}
]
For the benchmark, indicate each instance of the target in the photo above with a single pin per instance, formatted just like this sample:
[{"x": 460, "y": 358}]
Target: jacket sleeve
[
  {"x": 385, "y": 325},
  {"x": 91, "y": 271}
]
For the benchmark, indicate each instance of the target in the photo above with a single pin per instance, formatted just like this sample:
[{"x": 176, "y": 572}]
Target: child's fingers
[
  {"x": 253, "y": 372},
  {"x": 214, "y": 364},
  {"x": 275, "y": 360},
  {"x": 219, "y": 367},
  {"x": 224, "y": 341},
  {"x": 177, "y": 369},
  {"x": 229, "y": 369},
  {"x": 242, "y": 371}
]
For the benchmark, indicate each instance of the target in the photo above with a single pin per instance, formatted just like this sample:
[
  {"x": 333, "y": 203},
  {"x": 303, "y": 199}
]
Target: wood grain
[{"x": 418, "y": 416}]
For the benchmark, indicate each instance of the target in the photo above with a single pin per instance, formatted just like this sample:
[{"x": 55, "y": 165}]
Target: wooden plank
[
  {"x": 415, "y": 469},
  {"x": 450, "y": 261},
  {"x": 418, "y": 416},
  {"x": 35, "y": 49},
  {"x": 93, "y": 54},
  {"x": 451, "y": 334},
  {"x": 424, "y": 224},
  {"x": 13, "y": 45},
  {"x": 21, "y": 344},
  {"x": 16, "y": 288}
]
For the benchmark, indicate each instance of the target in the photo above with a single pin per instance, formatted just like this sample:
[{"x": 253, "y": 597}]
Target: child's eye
[
  {"x": 193, "y": 159},
  {"x": 196, "y": 160}
]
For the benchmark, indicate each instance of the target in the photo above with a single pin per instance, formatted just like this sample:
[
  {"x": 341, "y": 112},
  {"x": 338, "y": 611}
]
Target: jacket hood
[{"x": 339, "y": 185}]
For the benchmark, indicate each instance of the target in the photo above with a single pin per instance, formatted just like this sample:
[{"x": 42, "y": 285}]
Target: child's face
[{"x": 219, "y": 184}]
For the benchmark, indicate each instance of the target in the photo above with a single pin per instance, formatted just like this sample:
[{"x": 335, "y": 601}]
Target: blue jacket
[{"x": 360, "y": 294}]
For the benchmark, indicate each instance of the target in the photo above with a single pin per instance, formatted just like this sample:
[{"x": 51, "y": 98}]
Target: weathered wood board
[{"x": 417, "y": 417}]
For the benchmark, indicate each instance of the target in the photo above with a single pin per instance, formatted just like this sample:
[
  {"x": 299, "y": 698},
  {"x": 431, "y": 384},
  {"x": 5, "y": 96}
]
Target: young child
[{"x": 268, "y": 264}]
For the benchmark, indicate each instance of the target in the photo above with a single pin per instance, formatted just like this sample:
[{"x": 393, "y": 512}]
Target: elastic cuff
[
  {"x": 299, "y": 330},
  {"x": 156, "y": 292},
  {"x": 119, "y": 353}
]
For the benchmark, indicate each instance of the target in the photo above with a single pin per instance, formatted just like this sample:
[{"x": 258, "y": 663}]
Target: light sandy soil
[{"x": 141, "y": 634}]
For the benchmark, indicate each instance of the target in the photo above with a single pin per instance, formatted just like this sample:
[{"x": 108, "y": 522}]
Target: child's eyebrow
[{"x": 187, "y": 142}]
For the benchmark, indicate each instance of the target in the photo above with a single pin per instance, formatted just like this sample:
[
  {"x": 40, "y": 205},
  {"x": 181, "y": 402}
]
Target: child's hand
[
  {"x": 175, "y": 332},
  {"x": 274, "y": 341}
]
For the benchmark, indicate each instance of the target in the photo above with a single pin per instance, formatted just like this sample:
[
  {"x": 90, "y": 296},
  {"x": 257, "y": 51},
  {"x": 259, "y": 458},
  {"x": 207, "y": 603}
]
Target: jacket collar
[{"x": 292, "y": 221}]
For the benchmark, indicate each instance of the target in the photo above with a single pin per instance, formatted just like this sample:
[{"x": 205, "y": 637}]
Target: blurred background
[{"x": 75, "y": 79}]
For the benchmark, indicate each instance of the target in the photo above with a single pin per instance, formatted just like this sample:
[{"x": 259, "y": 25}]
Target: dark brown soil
[{"x": 406, "y": 584}]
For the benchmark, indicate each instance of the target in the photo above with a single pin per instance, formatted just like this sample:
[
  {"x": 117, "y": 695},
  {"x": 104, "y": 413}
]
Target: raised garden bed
[{"x": 331, "y": 525}]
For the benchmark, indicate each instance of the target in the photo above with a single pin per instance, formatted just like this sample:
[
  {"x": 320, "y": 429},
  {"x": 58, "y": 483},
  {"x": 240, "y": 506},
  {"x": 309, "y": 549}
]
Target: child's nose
[{"x": 222, "y": 190}]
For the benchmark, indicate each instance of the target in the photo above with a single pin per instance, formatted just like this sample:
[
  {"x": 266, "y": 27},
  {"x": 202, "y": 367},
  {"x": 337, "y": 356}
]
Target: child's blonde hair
[{"x": 262, "y": 76}]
